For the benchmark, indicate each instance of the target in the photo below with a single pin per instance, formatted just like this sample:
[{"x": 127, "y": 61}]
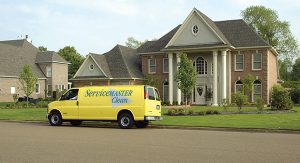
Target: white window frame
[
  {"x": 12, "y": 90},
  {"x": 261, "y": 87},
  {"x": 164, "y": 71},
  {"x": 253, "y": 62},
  {"x": 47, "y": 71},
  {"x": 237, "y": 84},
  {"x": 235, "y": 62},
  {"x": 204, "y": 66},
  {"x": 149, "y": 66},
  {"x": 212, "y": 69},
  {"x": 91, "y": 67},
  {"x": 39, "y": 88}
]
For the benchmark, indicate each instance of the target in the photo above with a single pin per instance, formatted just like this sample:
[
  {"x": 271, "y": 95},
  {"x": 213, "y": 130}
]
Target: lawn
[{"x": 260, "y": 121}]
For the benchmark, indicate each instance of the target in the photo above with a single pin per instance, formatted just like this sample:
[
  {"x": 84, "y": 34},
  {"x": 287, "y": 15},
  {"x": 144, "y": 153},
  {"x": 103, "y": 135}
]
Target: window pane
[
  {"x": 166, "y": 65},
  {"x": 257, "y": 65},
  {"x": 239, "y": 66},
  {"x": 257, "y": 89},
  {"x": 153, "y": 69},
  {"x": 151, "y": 94},
  {"x": 166, "y": 92},
  {"x": 257, "y": 57},
  {"x": 239, "y": 87},
  {"x": 152, "y": 62},
  {"x": 239, "y": 58}
]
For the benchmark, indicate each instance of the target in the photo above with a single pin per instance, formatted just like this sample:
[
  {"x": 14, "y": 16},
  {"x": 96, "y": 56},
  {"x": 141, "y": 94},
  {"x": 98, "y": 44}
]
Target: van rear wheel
[
  {"x": 125, "y": 121},
  {"x": 55, "y": 119},
  {"x": 141, "y": 124}
]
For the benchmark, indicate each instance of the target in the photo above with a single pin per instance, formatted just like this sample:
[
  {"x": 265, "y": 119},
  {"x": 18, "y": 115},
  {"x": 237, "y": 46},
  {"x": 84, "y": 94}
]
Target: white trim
[
  {"x": 164, "y": 65},
  {"x": 184, "y": 24},
  {"x": 149, "y": 66},
  {"x": 39, "y": 90},
  {"x": 195, "y": 48},
  {"x": 261, "y": 86},
  {"x": 235, "y": 69},
  {"x": 47, "y": 73},
  {"x": 12, "y": 90},
  {"x": 195, "y": 25},
  {"x": 53, "y": 62},
  {"x": 91, "y": 69},
  {"x": 252, "y": 60},
  {"x": 83, "y": 64}
]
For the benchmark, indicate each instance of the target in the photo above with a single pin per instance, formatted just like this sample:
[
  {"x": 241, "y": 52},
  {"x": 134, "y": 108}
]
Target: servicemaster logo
[{"x": 118, "y": 97}]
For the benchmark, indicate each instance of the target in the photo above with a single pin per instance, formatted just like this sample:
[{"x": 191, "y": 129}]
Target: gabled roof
[
  {"x": 119, "y": 62},
  {"x": 14, "y": 55},
  {"x": 49, "y": 56},
  {"x": 234, "y": 33}
]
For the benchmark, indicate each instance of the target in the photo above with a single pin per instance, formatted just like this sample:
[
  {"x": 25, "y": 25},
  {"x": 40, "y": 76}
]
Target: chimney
[{"x": 28, "y": 39}]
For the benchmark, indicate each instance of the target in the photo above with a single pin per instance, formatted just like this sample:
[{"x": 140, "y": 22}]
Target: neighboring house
[
  {"x": 49, "y": 67},
  {"x": 223, "y": 53},
  {"x": 120, "y": 66}
]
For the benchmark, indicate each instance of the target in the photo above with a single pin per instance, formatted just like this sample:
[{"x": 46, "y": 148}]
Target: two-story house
[{"x": 49, "y": 67}]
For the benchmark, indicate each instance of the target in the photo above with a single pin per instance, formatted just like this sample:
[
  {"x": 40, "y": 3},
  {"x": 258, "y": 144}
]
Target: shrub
[
  {"x": 295, "y": 95},
  {"x": 225, "y": 103},
  {"x": 181, "y": 112},
  {"x": 42, "y": 104},
  {"x": 239, "y": 99},
  {"x": 259, "y": 104},
  {"x": 201, "y": 113},
  {"x": 191, "y": 112},
  {"x": 216, "y": 112},
  {"x": 209, "y": 111},
  {"x": 175, "y": 103},
  {"x": 172, "y": 111},
  {"x": 280, "y": 99}
]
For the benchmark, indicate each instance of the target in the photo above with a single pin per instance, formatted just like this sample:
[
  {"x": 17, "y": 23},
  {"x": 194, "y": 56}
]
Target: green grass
[
  {"x": 30, "y": 114},
  {"x": 259, "y": 121}
]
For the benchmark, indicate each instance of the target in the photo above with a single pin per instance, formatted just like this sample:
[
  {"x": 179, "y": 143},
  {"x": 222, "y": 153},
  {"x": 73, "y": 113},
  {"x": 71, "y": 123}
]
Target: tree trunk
[
  {"x": 27, "y": 101},
  {"x": 185, "y": 102}
]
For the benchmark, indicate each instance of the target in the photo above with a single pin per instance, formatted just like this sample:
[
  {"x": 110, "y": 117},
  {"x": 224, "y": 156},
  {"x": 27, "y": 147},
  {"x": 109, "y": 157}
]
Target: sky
[{"x": 98, "y": 25}]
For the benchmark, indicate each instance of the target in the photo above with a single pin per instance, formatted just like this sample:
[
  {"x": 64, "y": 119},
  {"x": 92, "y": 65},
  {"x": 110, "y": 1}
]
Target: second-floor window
[
  {"x": 166, "y": 65},
  {"x": 48, "y": 71},
  {"x": 256, "y": 61},
  {"x": 152, "y": 66},
  {"x": 37, "y": 88},
  {"x": 239, "y": 62}
]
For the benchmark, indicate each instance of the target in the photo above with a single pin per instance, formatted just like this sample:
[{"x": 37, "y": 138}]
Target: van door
[
  {"x": 69, "y": 104},
  {"x": 153, "y": 104}
]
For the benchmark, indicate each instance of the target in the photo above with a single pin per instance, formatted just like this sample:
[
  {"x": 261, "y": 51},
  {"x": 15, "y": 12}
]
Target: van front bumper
[{"x": 153, "y": 118}]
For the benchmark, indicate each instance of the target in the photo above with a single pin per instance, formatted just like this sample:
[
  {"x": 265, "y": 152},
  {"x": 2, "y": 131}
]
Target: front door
[{"x": 199, "y": 93}]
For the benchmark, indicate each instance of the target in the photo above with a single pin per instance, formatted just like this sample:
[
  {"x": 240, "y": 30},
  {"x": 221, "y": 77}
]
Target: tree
[
  {"x": 285, "y": 67},
  {"x": 70, "y": 54},
  {"x": 281, "y": 99},
  {"x": 151, "y": 80},
  {"x": 296, "y": 70},
  {"x": 28, "y": 81},
  {"x": 185, "y": 76},
  {"x": 239, "y": 99},
  {"x": 277, "y": 33},
  {"x": 42, "y": 48},
  {"x": 248, "y": 84},
  {"x": 134, "y": 43}
]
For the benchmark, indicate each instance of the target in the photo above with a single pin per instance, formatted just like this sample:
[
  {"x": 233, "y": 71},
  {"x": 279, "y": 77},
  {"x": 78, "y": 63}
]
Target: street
[{"x": 39, "y": 142}]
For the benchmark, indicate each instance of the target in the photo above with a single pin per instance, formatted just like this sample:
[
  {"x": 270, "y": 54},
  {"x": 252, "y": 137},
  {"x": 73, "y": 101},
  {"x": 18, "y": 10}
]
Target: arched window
[
  {"x": 201, "y": 66},
  {"x": 239, "y": 86},
  {"x": 257, "y": 89},
  {"x": 166, "y": 91}
]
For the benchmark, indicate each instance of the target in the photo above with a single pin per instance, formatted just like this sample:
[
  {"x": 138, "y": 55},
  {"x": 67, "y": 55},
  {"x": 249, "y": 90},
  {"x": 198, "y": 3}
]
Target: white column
[
  {"x": 178, "y": 90},
  {"x": 224, "y": 69},
  {"x": 215, "y": 78},
  {"x": 170, "y": 56}
]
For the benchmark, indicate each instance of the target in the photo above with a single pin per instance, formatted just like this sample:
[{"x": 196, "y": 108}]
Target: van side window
[
  {"x": 157, "y": 97},
  {"x": 151, "y": 94},
  {"x": 70, "y": 95}
]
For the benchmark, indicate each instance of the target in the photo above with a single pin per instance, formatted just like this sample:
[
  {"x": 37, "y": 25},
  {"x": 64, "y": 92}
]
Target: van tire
[
  {"x": 125, "y": 121},
  {"x": 55, "y": 119},
  {"x": 75, "y": 123},
  {"x": 141, "y": 124}
]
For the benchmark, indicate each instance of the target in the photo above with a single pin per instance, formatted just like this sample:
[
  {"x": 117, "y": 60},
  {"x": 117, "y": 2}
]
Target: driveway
[{"x": 38, "y": 142}]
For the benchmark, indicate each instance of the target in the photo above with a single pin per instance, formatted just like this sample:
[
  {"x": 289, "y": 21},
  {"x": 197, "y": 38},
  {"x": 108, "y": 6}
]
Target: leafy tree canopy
[
  {"x": 296, "y": 70},
  {"x": 277, "y": 33},
  {"x": 42, "y": 48},
  {"x": 28, "y": 81},
  {"x": 70, "y": 54},
  {"x": 134, "y": 43}
]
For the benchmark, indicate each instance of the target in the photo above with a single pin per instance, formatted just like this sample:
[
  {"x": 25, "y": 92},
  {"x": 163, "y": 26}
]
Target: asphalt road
[{"x": 33, "y": 142}]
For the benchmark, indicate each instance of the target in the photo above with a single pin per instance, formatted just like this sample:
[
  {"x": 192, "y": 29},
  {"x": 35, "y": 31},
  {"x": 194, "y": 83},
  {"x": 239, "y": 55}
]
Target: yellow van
[{"x": 128, "y": 105}]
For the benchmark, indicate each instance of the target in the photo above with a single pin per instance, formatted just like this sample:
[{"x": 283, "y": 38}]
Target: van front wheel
[
  {"x": 125, "y": 121},
  {"x": 55, "y": 119}
]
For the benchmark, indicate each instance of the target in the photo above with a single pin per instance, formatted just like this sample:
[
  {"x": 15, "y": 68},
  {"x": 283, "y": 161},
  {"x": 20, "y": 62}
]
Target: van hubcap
[
  {"x": 125, "y": 121},
  {"x": 54, "y": 119}
]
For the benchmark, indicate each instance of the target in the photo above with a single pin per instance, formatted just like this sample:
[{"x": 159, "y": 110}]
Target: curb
[{"x": 251, "y": 130}]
